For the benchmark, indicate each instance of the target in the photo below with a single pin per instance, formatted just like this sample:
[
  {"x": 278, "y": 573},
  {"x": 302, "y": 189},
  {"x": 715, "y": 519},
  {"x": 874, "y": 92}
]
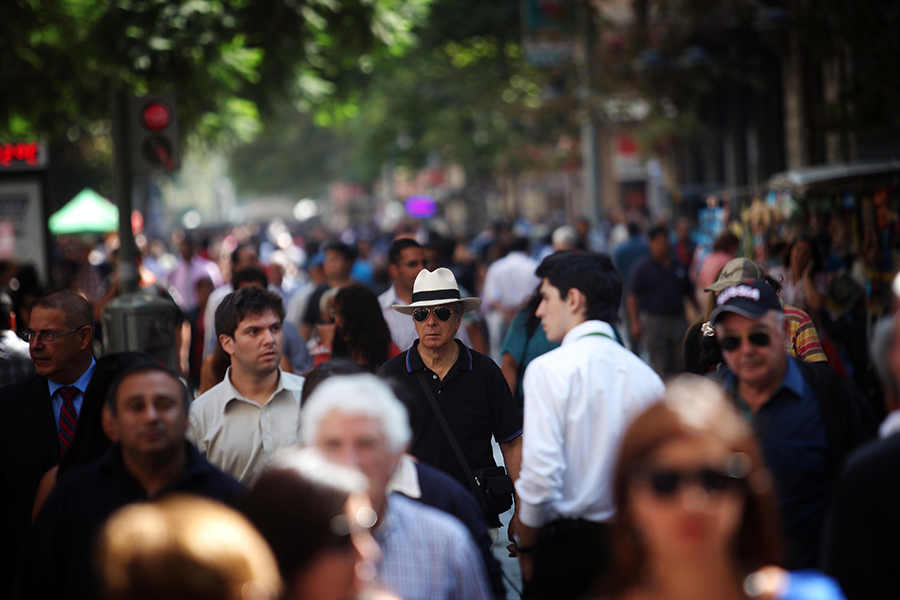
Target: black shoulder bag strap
[{"x": 470, "y": 477}]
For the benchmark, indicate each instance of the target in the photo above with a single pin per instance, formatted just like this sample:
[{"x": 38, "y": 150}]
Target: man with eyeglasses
[
  {"x": 38, "y": 415},
  {"x": 806, "y": 416},
  {"x": 468, "y": 387}
]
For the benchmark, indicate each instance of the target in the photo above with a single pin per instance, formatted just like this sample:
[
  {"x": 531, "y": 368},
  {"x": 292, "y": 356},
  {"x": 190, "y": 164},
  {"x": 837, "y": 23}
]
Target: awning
[{"x": 88, "y": 212}]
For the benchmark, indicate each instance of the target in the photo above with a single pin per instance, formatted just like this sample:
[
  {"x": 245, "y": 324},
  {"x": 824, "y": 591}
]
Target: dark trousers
[{"x": 570, "y": 555}]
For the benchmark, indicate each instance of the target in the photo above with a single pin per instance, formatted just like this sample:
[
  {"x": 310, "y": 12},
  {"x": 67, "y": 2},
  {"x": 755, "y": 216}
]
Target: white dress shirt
[
  {"x": 403, "y": 327},
  {"x": 510, "y": 281},
  {"x": 579, "y": 399},
  {"x": 240, "y": 436}
]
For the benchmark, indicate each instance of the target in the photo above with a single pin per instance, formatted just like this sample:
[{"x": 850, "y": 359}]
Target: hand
[
  {"x": 807, "y": 270},
  {"x": 326, "y": 333},
  {"x": 526, "y": 564}
]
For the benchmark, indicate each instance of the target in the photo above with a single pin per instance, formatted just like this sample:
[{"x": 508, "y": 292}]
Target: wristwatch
[{"x": 517, "y": 542}]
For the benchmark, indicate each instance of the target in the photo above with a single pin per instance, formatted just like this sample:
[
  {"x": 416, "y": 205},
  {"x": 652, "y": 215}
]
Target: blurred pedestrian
[
  {"x": 337, "y": 263},
  {"x": 578, "y": 399},
  {"x": 405, "y": 260},
  {"x": 723, "y": 251},
  {"x": 190, "y": 268},
  {"x": 803, "y": 284},
  {"x": 860, "y": 541},
  {"x": 791, "y": 404},
  {"x": 656, "y": 292},
  {"x": 15, "y": 359},
  {"x": 696, "y": 508},
  {"x": 357, "y": 421},
  {"x": 359, "y": 332},
  {"x": 316, "y": 516},
  {"x": 508, "y": 284},
  {"x": 148, "y": 409},
  {"x": 184, "y": 548},
  {"x": 524, "y": 342}
]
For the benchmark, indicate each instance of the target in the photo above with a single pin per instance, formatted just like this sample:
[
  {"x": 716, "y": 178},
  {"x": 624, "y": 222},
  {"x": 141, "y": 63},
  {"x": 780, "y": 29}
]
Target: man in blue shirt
[{"x": 807, "y": 417}]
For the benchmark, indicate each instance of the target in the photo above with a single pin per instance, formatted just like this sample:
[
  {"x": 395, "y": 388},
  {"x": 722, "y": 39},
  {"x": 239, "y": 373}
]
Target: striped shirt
[
  {"x": 804, "y": 340},
  {"x": 428, "y": 554}
]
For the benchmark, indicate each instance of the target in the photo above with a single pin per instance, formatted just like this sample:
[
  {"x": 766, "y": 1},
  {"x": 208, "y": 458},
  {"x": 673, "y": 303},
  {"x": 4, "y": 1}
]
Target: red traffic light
[{"x": 155, "y": 116}]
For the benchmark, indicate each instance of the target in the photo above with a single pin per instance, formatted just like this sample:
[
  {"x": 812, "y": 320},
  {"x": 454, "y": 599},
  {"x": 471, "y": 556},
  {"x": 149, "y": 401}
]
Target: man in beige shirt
[{"x": 240, "y": 423}]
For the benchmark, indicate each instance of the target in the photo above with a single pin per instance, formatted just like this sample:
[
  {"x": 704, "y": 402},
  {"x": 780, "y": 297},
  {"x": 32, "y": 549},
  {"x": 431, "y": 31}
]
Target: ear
[
  {"x": 110, "y": 425},
  {"x": 576, "y": 301},
  {"x": 227, "y": 343},
  {"x": 87, "y": 334},
  {"x": 393, "y": 271}
]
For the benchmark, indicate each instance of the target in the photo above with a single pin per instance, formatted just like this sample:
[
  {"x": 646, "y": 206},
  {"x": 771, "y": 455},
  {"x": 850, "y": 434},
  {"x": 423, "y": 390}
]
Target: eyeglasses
[
  {"x": 442, "y": 313},
  {"x": 666, "y": 483},
  {"x": 45, "y": 338},
  {"x": 733, "y": 341},
  {"x": 414, "y": 263}
]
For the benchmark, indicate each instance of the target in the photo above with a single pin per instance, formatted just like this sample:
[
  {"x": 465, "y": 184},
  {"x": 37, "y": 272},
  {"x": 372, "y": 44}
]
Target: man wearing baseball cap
[
  {"x": 803, "y": 339},
  {"x": 806, "y": 416}
]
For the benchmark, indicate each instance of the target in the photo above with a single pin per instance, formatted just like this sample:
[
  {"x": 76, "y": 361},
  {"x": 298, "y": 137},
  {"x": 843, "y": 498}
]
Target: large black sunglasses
[
  {"x": 441, "y": 312},
  {"x": 666, "y": 483},
  {"x": 733, "y": 341}
]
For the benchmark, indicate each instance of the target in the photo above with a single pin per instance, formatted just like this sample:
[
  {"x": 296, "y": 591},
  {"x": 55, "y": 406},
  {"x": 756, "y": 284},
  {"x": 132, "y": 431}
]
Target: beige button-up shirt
[{"x": 238, "y": 435}]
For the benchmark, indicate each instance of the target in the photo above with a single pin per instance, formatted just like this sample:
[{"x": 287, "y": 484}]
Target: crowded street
[{"x": 445, "y": 300}]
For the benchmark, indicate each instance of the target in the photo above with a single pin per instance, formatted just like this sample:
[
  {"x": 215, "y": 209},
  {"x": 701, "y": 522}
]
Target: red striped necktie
[{"x": 67, "y": 419}]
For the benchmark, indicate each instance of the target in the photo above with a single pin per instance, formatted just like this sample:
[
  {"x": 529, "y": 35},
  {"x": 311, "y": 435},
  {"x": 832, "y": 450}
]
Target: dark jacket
[
  {"x": 861, "y": 548},
  {"x": 29, "y": 447},
  {"x": 56, "y": 559}
]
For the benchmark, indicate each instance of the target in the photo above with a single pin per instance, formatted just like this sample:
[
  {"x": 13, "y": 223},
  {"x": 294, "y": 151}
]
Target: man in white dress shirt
[
  {"x": 239, "y": 424},
  {"x": 579, "y": 400}
]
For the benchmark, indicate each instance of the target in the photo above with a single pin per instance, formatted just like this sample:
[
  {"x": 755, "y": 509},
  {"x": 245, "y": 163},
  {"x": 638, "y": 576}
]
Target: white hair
[
  {"x": 313, "y": 466},
  {"x": 361, "y": 394},
  {"x": 564, "y": 238}
]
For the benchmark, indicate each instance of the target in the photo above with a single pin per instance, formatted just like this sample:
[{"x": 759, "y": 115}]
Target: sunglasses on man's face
[
  {"x": 733, "y": 341},
  {"x": 666, "y": 483},
  {"x": 442, "y": 313}
]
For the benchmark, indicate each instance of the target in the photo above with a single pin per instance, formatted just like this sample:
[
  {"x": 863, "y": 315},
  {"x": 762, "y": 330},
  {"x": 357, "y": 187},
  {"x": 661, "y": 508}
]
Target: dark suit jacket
[
  {"x": 862, "y": 539},
  {"x": 29, "y": 447}
]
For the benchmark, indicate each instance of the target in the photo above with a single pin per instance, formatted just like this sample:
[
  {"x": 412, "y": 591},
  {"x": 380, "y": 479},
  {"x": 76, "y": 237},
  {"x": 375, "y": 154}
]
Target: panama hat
[{"x": 433, "y": 288}]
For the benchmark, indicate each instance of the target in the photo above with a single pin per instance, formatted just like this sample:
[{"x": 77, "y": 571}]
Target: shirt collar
[
  {"x": 81, "y": 383},
  {"x": 590, "y": 327},
  {"x": 405, "y": 479},
  {"x": 194, "y": 465},
  {"x": 463, "y": 361},
  {"x": 233, "y": 394},
  {"x": 890, "y": 425},
  {"x": 793, "y": 378}
]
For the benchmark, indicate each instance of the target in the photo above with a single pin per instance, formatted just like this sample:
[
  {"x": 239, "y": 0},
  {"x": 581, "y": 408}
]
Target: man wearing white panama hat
[{"x": 468, "y": 387}]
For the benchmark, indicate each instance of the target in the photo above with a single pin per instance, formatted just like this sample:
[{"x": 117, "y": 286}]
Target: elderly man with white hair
[{"x": 356, "y": 420}]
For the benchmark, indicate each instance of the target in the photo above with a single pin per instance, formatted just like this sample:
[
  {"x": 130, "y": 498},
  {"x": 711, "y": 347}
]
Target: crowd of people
[{"x": 361, "y": 418}]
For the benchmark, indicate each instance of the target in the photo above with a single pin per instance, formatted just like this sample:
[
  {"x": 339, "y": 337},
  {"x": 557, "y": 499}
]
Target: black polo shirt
[{"x": 475, "y": 400}]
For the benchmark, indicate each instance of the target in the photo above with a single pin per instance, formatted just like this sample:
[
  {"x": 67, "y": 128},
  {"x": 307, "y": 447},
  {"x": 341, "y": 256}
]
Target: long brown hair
[{"x": 693, "y": 407}]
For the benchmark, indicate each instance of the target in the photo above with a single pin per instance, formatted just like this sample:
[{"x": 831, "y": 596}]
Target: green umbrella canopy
[{"x": 88, "y": 212}]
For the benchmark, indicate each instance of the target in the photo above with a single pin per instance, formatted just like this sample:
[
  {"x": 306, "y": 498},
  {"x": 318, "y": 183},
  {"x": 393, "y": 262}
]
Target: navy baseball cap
[{"x": 751, "y": 299}]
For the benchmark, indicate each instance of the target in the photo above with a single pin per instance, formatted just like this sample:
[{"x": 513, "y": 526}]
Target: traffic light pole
[{"x": 123, "y": 185}]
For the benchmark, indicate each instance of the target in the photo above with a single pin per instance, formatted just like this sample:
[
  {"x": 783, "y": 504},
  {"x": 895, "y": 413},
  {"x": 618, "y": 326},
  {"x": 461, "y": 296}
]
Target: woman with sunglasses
[{"x": 696, "y": 510}]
